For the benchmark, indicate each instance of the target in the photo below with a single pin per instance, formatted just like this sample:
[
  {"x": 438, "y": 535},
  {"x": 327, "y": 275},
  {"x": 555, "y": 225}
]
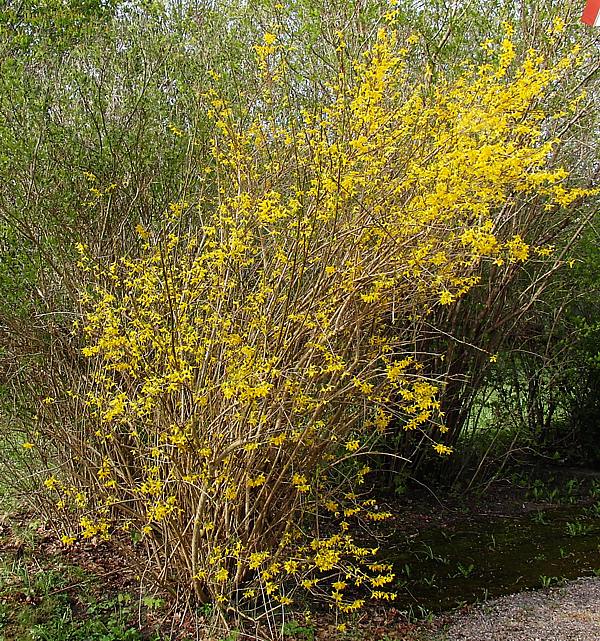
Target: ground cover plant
[
  {"x": 47, "y": 593},
  {"x": 222, "y": 331}
]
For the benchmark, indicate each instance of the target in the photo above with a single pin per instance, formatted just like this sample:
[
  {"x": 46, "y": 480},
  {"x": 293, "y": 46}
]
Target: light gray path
[{"x": 569, "y": 613}]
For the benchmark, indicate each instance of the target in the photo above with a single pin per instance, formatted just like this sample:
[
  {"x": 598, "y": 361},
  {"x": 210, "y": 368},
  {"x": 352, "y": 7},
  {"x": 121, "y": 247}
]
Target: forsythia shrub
[{"x": 264, "y": 332}]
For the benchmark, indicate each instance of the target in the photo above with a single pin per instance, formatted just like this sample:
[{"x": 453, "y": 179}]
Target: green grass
[
  {"x": 44, "y": 596},
  {"x": 60, "y": 603}
]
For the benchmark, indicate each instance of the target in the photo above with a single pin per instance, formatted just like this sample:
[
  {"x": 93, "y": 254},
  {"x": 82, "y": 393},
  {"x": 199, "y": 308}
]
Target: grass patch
[
  {"x": 49, "y": 593},
  {"x": 59, "y": 603}
]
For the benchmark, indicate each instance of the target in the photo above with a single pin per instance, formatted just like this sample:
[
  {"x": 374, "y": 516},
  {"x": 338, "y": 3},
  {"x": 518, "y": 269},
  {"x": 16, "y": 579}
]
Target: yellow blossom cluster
[{"x": 263, "y": 335}]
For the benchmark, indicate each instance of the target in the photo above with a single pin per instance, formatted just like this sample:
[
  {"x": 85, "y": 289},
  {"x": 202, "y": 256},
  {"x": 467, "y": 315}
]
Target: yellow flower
[
  {"x": 352, "y": 446},
  {"x": 51, "y": 482},
  {"x": 442, "y": 449},
  {"x": 27, "y": 445},
  {"x": 300, "y": 482},
  {"x": 256, "y": 482},
  {"x": 326, "y": 559},
  {"x": 175, "y": 130},
  {"x": 279, "y": 439},
  {"x": 355, "y": 605},
  {"x": 221, "y": 575},
  {"x": 231, "y": 493},
  {"x": 142, "y": 231},
  {"x": 446, "y": 298},
  {"x": 558, "y": 26},
  {"x": 257, "y": 559},
  {"x": 518, "y": 250},
  {"x": 291, "y": 567}
]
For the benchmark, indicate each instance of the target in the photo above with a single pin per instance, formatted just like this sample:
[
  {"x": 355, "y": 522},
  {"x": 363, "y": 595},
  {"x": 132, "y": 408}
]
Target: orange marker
[{"x": 591, "y": 13}]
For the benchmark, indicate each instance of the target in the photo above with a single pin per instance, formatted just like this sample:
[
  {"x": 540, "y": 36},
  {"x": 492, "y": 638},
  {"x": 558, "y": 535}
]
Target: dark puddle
[{"x": 442, "y": 568}]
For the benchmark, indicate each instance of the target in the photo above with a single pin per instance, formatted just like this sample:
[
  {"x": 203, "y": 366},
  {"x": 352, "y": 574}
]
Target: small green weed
[
  {"x": 572, "y": 487},
  {"x": 430, "y": 580},
  {"x": 595, "y": 489},
  {"x": 547, "y": 581},
  {"x": 419, "y": 613},
  {"x": 578, "y": 528},
  {"x": 298, "y": 631},
  {"x": 465, "y": 570},
  {"x": 152, "y": 603},
  {"x": 594, "y": 510},
  {"x": 539, "y": 517},
  {"x": 537, "y": 491}
]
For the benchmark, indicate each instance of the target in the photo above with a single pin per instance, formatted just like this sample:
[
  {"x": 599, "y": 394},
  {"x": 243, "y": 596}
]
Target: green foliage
[
  {"x": 298, "y": 631},
  {"x": 465, "y": 570},
  {"x": 547, "y": 581},
  {"x": 578, "y": 528},
  {"x": 37, "y": 26},
  {"x": 48, "y": 612}
]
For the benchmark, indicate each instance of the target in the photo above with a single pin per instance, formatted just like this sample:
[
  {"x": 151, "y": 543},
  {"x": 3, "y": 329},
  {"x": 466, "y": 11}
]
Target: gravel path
[{"x": 569, "y": 613}]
